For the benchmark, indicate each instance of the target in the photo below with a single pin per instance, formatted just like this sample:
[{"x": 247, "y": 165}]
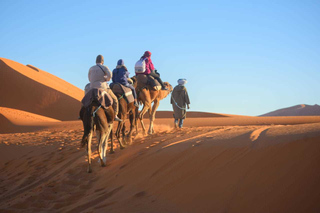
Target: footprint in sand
[{"x": 197, "y": 143}]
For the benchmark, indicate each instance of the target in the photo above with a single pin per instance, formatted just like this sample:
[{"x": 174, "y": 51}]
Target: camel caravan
[{"x": 103, "y": 103}]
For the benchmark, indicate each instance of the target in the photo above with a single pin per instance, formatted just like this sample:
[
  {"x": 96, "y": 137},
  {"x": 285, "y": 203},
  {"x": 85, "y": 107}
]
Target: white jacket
[{"x": 98, "y": 76}]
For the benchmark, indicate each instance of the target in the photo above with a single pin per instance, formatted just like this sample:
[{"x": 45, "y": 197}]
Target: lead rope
[
  {"x": 94, "y": 113},
  {"x": 177, "y": 104}
]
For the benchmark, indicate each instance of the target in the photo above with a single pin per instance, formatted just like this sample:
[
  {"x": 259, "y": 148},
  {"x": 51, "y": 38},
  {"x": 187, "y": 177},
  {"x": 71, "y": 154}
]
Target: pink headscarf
[{"x": 147, "y": 54}]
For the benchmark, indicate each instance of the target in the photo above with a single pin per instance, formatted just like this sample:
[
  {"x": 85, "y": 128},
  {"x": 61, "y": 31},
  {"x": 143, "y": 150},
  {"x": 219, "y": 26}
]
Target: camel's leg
[
  {"x": 120, "y": 127},
  {"x": 102, "y": 146},
  {"x": 98, "y": 135},
  {"x": 118, "y": 132},
  {"x": 111, "y": 144},
  {"x": 89, "y": 151},
  {"x": 141, "y": 114},
  {"x": 143, "y": 127},
  {"x": 132, "y": 125},
  {"x": 136, "y": 125},
  {"x": 104, "y": 143},
  {"x": 123, "y": 135},
  {"x": 153, "y": 115},
  {"x": 135, "y": 120},
  {"x": 122, "y": 145},
  {"x": 146, "y": 106}
]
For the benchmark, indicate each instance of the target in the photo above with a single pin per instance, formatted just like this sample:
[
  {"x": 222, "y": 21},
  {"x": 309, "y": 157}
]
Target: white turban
[{"x": 182, "y": 81}]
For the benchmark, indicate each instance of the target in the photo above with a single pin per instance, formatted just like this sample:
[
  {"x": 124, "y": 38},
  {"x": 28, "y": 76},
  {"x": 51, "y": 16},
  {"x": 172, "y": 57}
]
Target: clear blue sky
[{"x": 239, "y": 57}]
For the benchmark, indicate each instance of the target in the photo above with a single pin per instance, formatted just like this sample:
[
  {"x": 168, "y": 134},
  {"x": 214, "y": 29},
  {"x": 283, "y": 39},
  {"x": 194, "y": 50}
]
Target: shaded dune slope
[
  {"x": 20, "y": 89},
  {"x": 14, "y": 121},
  {"x": 6, "y": 126}
]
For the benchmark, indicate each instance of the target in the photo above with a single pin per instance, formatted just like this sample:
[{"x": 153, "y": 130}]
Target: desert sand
[{"x": 216, "y": 163}]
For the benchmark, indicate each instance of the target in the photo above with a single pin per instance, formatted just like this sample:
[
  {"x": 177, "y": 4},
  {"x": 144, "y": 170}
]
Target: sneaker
[
  {"x": 136, "y": 103},
  {"x": 117, "y": 119}
]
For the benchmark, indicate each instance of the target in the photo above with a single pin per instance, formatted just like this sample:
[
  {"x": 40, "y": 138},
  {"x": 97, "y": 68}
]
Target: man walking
[{"x": 180, "y": 100}]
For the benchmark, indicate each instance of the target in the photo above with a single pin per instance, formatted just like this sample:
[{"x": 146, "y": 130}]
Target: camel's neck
[{"x": 163, "y": 94}]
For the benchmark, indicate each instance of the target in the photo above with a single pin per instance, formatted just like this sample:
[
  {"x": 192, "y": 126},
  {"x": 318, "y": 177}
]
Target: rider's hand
[{"x": 188, "y": 106}]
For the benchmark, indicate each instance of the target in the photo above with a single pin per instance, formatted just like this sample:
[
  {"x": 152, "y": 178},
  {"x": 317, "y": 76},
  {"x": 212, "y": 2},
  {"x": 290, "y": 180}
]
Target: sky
[{"x": 240, "y": 57}]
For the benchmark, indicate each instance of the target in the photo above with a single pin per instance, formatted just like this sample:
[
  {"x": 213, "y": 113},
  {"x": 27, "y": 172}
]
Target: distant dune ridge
[
  {"x": 33, "y": 90},
  {"x": 298, "y": 110}
]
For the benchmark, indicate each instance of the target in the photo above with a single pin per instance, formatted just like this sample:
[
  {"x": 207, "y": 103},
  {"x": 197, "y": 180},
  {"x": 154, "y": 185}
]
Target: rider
[
  {"x": 120, "y": 75},
  {"x": 150, "y": 69},
  {"x": 98, "y": 76}
]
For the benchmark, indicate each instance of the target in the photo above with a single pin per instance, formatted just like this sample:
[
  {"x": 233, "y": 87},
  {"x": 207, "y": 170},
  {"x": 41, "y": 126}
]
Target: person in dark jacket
[
  {"x": 150, "y": 70},
  {"x": 120, "y": 75}
]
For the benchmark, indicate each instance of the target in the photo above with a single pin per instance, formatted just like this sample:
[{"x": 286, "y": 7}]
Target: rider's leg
[{"x": 115, "y": 104}]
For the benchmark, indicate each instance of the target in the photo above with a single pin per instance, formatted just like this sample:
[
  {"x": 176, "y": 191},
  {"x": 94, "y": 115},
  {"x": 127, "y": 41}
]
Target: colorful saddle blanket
[
  {"x": 97, "y": 94},
  {"x": 122, "y": 90}
]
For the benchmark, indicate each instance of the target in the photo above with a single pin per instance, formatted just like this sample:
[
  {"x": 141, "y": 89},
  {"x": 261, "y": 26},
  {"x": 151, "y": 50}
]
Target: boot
[
  {"x": 136, "y": 103},
  {"x": 176, "y": 123},
  {"x": 181, "y": 123}
]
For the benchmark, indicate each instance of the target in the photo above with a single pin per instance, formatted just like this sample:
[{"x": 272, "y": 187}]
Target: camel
[
  {"x": 95, "y": 117},
  {"x": 147, "y": 96},
  {"x": 124, "y": 109}
]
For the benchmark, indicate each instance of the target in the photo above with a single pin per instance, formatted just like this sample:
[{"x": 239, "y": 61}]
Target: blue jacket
[{"x": 120, "y": 75}]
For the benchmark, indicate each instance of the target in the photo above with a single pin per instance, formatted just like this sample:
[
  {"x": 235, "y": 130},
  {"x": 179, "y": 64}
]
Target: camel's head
[
  {"x": 168, "y": 86},
  {"x": 134, "y": 81}
]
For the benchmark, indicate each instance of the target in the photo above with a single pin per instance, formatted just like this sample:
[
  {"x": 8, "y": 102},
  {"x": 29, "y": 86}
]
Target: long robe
[{"x": 179, "y": 100}]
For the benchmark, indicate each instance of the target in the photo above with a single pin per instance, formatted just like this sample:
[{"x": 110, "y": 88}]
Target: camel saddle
[
  {"x": 97, "y": 94},
  {"x": 147, "y": 81},
  {"x": 123, "y": 91}
]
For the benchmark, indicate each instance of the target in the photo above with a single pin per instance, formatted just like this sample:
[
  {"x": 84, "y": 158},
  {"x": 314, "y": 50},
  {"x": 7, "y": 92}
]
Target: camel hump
[
  {"x": 123, "y": 90},
  {"x": 98, "y": 95},
  {"x": 142, "y": 79},
  {"x": 148, "y": 81}
]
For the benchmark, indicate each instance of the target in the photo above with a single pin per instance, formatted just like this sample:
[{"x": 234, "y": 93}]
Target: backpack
[{"x": 140, "y": 66}]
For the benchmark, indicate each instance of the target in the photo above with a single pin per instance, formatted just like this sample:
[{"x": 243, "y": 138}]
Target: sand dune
[
  {"x": 201, "y": 168},
  {"x": 298, "y": 110},
  {"x": 216, "y": 163},
  {"x": 37, "y": 92}
]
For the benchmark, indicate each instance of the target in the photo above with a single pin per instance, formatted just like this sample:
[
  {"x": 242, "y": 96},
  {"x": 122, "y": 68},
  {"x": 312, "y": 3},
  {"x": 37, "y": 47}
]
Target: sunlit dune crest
[{"x": 302, "y": 106}]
